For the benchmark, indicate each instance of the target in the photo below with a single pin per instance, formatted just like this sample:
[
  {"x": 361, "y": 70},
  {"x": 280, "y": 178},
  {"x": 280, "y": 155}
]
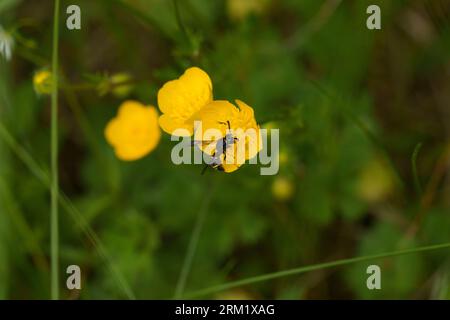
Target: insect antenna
[{"x": 227, "y": 123}]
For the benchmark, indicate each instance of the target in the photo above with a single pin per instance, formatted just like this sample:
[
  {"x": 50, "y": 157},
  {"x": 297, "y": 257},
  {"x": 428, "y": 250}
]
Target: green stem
[
  {"x": 296, "y": 271},
  {"x": 43, "y": 177},
  {"x": 192, "y": 247},
  {"x": 54, "y": 232},
  {"x": 31, "y": 240},
  {"x": 180, "y": 21}
]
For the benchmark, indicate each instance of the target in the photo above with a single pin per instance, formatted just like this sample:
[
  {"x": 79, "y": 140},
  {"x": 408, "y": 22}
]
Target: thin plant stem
[
  {"x": 30, "y": 239},
  {"x": 324, "y": 14},
  {"x": 84, "y": 225},
  {"x": 145, "y": 19},
  {"x": 54, "y": 228},
  {"x": 43, "y": 176},
  {"x": 320, "y": 266},
  {"x": 179, "y": 20},
  {"x": 193, "y": 242}
]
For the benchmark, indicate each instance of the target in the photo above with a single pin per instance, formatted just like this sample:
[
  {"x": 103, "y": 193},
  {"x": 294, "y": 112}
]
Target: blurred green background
[{"x": 351, "y": 104}]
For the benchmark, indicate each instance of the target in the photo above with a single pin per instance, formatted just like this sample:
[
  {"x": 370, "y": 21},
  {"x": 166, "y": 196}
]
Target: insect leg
[{"x": 204, "y": 169}]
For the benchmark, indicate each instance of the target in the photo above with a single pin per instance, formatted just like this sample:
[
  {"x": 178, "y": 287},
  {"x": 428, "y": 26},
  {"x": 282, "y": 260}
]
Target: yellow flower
[
  {"x": 375, "y": 181},
  {"x": 282, "y": 189},
  {"x": 283, "y": 157},
  {"x": 188, "y": 100},
  {"x": 215, "y": 118},
  {"x": 239, "y": 9},
  {"x": 234, "y": 294},
  {"x": 42, "y": 82},
  {"x": 134, "y": 132},
  {"x": 179, "y": 100}
]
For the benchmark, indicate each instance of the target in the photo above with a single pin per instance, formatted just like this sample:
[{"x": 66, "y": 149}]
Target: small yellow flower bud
[
  {"x": 282, "y": 188},
  {"x": 283, "y": 158},
  {"x": 234, "y": 294},
  {"x": 239, "y": 9},
  {"x": 270, "y": 125},
  {"x": 375, "y": 181},
  {"x": 42, "y": 82}
]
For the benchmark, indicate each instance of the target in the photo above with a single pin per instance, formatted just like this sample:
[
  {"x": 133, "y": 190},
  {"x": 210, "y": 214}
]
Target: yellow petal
[
  {"x": 181, "y": 98},
  {"x": 230, "y": 167},
  {"x": 175, "y": 126},
  {"x": 246, "y": 120}
]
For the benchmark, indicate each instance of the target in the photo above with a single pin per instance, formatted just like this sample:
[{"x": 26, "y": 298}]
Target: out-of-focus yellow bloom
[
  {"x": 282, "y": 188},
  {"x": 243, "y": 126},
  {"x": 42, "y": 82},
  {"x": 179, "y": 100},
  {"x": 235, "y": 294},
  {"x": 283, "y": 157},
  {"x": 375, "y": 181},
  {"x": 134, "y": 132},
  {"x": 239, "y": 9}
]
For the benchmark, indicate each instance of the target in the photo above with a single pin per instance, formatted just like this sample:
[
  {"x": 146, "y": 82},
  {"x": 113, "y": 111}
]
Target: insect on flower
[
  {"x": 220, "y": 150},
  {"x": 189, "y": 99}
]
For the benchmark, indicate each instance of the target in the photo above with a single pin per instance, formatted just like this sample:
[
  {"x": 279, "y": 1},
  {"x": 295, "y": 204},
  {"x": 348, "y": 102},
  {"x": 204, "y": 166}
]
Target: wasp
[{"x": 221, "y": 148}]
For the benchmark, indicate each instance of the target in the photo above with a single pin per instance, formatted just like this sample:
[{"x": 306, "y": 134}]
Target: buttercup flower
[
  {"x": 179, "y": 100},
  {"x": 221, "y": 117},
  {"x": 134, "y": 132},
  {"x": 42, "y": 82},
  {"x": 188, "y": 101}
]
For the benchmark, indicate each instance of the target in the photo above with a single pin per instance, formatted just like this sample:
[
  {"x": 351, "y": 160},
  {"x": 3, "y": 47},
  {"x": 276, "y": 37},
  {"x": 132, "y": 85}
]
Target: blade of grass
[
  {"x": 54, "y": 228},
  {"x": 320, "y": 266},
  {"x": 95, "y": 240},
  {"x": 193, "y": 242},
  {"x": 23, "y": 229},
  {"x": 303, "y": 35},
  {"x": 68, "y": 206},
  {"x": 145, "y": 19}
]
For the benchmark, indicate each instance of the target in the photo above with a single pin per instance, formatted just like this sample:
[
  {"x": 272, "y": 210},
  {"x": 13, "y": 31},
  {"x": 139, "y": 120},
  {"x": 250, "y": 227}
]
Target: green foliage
[{"x": 342, "y": 96}]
